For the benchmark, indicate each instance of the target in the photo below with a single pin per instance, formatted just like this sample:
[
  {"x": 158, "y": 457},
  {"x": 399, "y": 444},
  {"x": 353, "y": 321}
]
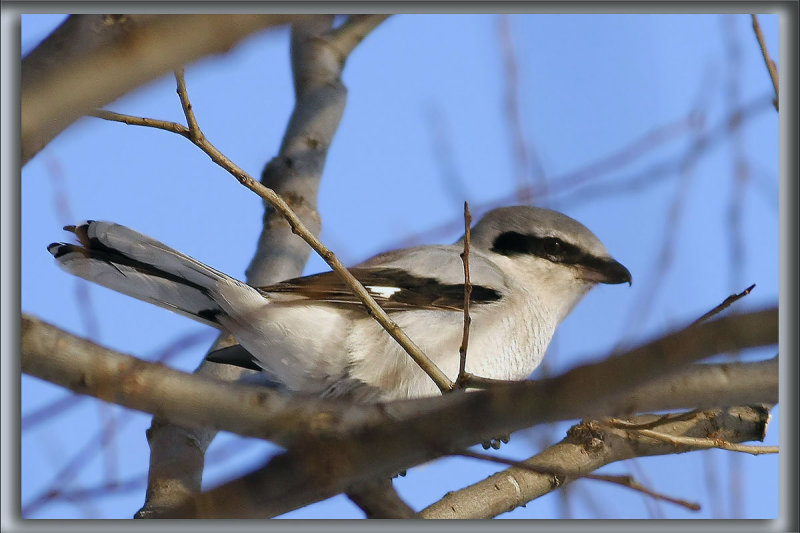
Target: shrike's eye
[{"x": 552, "y": 246}]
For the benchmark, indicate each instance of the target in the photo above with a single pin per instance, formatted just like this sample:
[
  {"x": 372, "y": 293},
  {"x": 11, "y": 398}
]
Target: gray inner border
[{"x": 789, "y": 239}]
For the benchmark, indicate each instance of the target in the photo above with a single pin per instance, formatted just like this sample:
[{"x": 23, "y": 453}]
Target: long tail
[{"x": 127, "y": 261}]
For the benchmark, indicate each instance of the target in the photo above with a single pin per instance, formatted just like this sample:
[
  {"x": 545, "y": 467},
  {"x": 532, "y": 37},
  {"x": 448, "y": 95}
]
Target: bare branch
[
  {"x": 625, "y": 481},
  {"x": 597, "y": 389},
  {"x": 577, "y": 185},
  {"x": 417, "y": 431},
  {"x": 462, "y": 350},
  {"x": 727, "y": 302},
  {"x": 294, "y": 174},
  {"x": 196, "y": 136},
  {"x": 628, "y": 481},
  {"x": 347, "y": 36},
  {"x": 192, "y": 400},
  {"x": 109, "y": 55},
  {"x": 773, "y": 70},
  {"x": 132, "y": 120},
  {"x": 527, "y": 165},
  {"x": 304, "y": 475},
  {"x": 587, "y": 447},
  {"x": 704, "y": 444}
]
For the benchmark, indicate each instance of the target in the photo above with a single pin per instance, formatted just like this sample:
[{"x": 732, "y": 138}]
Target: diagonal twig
[
  {"x": 195, "y": 134},
  {"x": 298, "y": 228},
  {"x": 727, "y": 302},
  {"x": 559, "y": 476},
  {"x": 773, "y": 70}
]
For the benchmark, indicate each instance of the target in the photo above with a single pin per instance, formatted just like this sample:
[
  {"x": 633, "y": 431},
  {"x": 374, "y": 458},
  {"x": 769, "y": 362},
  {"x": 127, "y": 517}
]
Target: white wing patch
[{"x": 383, "y": 292}]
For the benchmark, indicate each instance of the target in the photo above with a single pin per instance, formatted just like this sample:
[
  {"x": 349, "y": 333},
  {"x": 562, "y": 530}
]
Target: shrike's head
[{"x": 550, "y": 253}]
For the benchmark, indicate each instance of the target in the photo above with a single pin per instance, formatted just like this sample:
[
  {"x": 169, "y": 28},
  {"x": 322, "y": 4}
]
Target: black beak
[{"x": 606, "y": 270}]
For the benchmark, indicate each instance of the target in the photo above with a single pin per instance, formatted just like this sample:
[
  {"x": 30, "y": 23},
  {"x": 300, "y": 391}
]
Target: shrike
[{"x": 528, "y": 266}]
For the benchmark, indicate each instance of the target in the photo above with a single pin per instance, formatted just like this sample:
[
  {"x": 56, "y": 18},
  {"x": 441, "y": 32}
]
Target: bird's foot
[{"x": 495, "y": 443}]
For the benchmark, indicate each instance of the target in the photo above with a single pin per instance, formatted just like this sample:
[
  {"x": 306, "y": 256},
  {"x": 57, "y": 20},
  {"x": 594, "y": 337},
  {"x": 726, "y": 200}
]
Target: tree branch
[
  {"x": 192, "y": 400},
  {"x": 196, "y": 401},
  {"x": 587, "y": 447},
  {"x": 91, "y": 60},
  {"x": 379, "y": 499},
  {"x": 294, "y": 175},
  {"x": 773, "y": 70},
  {"x": 347, "y": 36},
  {"x": 625, "y": 481},
  {"x": 727, "y": 302},
  {"x": 462, "y": 350},
  {"x": 319, "y": 468},
  {"x": 382, "y": 317}
]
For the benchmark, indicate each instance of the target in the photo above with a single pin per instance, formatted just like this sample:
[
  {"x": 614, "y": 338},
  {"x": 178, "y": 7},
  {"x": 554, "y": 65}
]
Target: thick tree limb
[
  {"x": 319, "y": 466},
  {"x": 91, "y": 60},
  {"x": 196, "y": 401},
  {"x": 192, "y": 400},
  {"x": 318, "y": 469}
]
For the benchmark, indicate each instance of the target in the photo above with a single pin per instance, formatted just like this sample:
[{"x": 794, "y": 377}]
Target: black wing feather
[{"x": 415, "y": 292}]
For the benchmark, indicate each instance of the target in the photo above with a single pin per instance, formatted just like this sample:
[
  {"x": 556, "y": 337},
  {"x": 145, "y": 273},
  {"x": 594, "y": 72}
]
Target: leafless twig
[
  {"x": 628, "y": 481},
  {"x": 773, "y": 70},
  {"x": 727, "y": 302},
  {"x": 559, "y": 476},
  {"x": 660, "y": 421},
  {"x": 702, "y": 444},
  {"x": 131, "y": 120},
  {"x": 525, "y": 159},
  {"x": 195, "y": 134},
  {"x": 587, "y": 447},
  {"x": 462, "y": 350}
]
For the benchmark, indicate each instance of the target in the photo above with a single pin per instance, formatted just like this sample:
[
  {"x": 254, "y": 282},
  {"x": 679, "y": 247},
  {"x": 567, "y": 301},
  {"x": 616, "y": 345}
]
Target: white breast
[{"x": 507, "y": 341}]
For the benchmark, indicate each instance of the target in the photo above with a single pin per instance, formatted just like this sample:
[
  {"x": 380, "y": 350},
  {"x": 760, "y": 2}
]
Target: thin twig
[
  {"x": 195, "y": 134},
  {"x": 725, "y": 304},
  {"x": 773, "y": 70},
  {"x": 479, "y": 382},
  {"x": 462, "y": 350},
  {"x": 298, "y": 228},
  {"x": 625, "y": 481},
  {"x": 527, "y": 164},
  {"x": 660, "y": 421},
  {"x": 194, "y": 129},
  {"x": 700, "y": 443},
  {"x": 132, "y": 120},
  {"x": 628, "y": 481}
]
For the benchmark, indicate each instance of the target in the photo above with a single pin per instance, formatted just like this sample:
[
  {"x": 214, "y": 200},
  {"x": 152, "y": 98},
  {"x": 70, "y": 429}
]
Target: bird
[{"x": 529, "y": 267}]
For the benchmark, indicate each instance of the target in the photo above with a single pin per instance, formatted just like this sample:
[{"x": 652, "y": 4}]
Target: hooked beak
[{"x": 606, "y": 270}]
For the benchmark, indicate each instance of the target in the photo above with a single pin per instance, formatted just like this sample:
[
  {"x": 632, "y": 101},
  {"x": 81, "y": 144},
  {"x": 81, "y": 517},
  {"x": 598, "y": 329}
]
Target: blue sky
[{"x": 425, "y": 128}]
